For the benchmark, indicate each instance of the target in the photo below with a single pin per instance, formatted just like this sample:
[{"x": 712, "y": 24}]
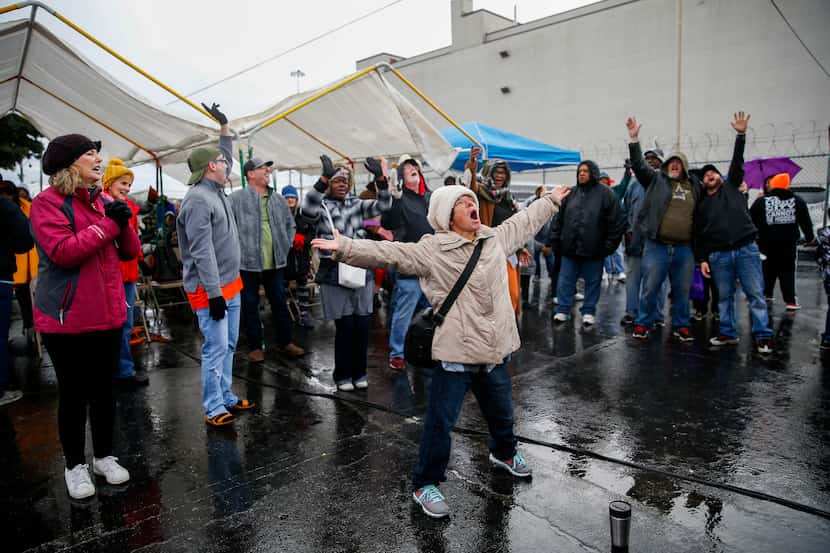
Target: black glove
[
  {"x": 218, "y": 115},
  {"x": 328, "y": 166},
  {"x": 373, "y": 166},
  {"x": 627, "y": 164},
  {"x": 119, "y": 212},
  {"x": 217, "y": 308}
]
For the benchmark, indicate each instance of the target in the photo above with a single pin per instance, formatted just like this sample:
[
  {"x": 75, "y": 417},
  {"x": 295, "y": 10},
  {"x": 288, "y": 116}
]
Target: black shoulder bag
[{"x": 418, "y": 343}]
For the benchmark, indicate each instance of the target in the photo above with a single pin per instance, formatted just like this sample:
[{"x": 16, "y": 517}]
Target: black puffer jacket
[
  {"x": 15, "y": 237},
  {"x": 407, "y": 218},
  {"x": 590, "y": 222}
]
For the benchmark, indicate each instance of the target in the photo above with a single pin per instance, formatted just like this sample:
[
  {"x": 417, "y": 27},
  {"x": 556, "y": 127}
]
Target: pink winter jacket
[{"x": 79, "y": 286}]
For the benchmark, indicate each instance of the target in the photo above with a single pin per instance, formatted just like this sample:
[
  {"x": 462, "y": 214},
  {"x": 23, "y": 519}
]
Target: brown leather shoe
[
  {"x": 256, "y": 356},
  {"x": 293, "y": 350}
]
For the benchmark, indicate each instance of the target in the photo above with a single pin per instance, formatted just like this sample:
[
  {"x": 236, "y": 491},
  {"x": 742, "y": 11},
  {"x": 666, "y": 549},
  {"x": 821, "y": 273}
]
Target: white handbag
[{"x": 348, "y": 276}]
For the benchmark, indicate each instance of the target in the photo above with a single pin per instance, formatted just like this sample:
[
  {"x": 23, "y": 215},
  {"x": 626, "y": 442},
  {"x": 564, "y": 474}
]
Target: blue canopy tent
[{"x": 523, "y": 154}]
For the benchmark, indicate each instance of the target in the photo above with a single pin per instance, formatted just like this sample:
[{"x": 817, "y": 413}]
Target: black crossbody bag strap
[{"x": 438, "y": 317}]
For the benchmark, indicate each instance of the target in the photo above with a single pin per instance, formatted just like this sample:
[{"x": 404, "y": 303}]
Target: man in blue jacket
[{"x": 266, "y": 234}]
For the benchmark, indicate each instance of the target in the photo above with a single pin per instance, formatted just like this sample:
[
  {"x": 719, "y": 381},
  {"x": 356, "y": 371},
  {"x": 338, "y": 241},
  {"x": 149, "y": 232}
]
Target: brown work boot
[
  {"x": 292, "y": 350},
  {"x": 256, "y": 356}
]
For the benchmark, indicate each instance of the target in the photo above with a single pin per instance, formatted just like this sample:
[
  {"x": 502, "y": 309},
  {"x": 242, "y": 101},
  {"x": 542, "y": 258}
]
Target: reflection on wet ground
[{"x": 306, "y": 471}]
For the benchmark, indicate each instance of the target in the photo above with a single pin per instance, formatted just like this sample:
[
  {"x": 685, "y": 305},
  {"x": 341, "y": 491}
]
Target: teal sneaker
[
  {"x": 515, "y": 466},
  {"x": 431, "y": 501}
]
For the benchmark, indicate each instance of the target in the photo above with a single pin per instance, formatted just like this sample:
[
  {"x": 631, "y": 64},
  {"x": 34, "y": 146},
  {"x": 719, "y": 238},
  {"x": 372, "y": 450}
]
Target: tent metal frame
[{"x": 249, "y": 133}]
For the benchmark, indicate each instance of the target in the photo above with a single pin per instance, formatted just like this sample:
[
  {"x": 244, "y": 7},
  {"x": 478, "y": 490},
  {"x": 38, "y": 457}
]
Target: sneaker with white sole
[
  {"x": 723, "y": 340},
  {"x": 579, "y": 297},
  {"x": 345, "y": 386},
  {"x": 588, "y": 320},
  {"x": 516, "y": 465},
  {"x": 78, "y": 482},
  {"x": 793, "y": 306},
  {"x": 431, "y": 501},
  {"x": 621, "y": 277},
  {"x": 10, "y": 396},
  {"x": 763, "y": 346},
  {"x": 361, "y": 383},
  {"x": 109, "y": 468},
  {"x": 560, "y": 318}
]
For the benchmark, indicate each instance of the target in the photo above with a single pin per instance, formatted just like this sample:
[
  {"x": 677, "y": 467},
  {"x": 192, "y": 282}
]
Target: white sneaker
[
  {"x": 346, "y": 387},
  {"x": 109, "y": 468},
  {"x": 579, "y": 297},
  {"x": 362, "y": 383},
  {"x": 561, "y": 317},
  {"x": 78, "y": 483},
  {"x": 588, "y": 319},
  {"x": 555, "y": 300},
  {"x": 10, "y": 396},
  {"x": 621, "y": 277}
]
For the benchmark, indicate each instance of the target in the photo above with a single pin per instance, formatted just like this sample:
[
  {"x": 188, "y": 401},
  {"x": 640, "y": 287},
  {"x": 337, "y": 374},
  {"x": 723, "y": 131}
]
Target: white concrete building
[{"x": 681, "y": 66}]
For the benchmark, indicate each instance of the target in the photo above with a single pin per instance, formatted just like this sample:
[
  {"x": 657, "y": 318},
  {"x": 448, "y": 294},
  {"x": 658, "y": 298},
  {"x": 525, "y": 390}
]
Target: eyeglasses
[{"x": 220, "y": 160}]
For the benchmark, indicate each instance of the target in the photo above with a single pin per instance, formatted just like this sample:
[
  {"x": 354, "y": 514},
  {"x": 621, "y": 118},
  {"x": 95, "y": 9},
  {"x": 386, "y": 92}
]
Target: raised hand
[
  {"x": 213, "y": 110},
  {"x": 633, "y": 129},
  {"x": 328, "y": 166},
  {"x": 740, "y": 122},
  {"x": 374, "y": 166}
]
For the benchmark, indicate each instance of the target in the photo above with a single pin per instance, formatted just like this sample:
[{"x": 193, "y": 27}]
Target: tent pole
[
  {"x": 116, "y": 55},
  {"x": 23, "y": 56},
  {"x": 429, "y": 102}
]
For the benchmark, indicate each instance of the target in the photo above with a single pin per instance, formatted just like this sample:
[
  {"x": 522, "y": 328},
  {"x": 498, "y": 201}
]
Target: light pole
[{"x": 298, "y": 74}]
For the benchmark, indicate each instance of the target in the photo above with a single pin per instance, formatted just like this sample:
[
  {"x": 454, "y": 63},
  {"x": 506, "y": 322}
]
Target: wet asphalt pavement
[{"x": 306, "y": 471}]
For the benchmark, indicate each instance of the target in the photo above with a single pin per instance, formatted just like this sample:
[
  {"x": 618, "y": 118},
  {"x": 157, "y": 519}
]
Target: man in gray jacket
[
  {"x": 209, "y": 245},
  {"x": 266, "y": 233}
]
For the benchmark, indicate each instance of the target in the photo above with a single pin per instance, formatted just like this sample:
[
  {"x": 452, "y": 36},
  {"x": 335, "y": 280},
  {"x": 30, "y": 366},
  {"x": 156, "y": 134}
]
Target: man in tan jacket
[{"x": 479, "y": 333}]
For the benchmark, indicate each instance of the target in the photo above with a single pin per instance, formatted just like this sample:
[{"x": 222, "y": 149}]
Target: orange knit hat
[
  {"x": 115, "y": 169},
  {"x": 781, "y": 180}
]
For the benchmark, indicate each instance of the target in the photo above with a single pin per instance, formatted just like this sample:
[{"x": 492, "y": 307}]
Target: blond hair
[{"x": 66, "y": 181}]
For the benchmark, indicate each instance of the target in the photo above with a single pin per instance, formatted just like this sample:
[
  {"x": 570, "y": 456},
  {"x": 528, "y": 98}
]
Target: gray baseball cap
[{"x": 255, "y": 163}]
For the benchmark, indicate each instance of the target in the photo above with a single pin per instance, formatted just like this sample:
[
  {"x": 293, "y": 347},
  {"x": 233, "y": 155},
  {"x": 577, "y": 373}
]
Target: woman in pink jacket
[{"x": 79, "y": 301}]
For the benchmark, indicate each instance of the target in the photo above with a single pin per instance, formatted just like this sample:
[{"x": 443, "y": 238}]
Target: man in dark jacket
[
  {"x": 726, "y": 247},
  {"x": 588, "y": 228},
  {"x": 666, "y": 221},
  {"x": 407, "y": 219},
  {"x": 15, "y": 238},
  {"x": 778, "y": 215}
]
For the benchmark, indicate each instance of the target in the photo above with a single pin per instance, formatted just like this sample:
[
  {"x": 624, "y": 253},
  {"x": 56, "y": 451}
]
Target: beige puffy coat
[{"x": 480, "y": 328}]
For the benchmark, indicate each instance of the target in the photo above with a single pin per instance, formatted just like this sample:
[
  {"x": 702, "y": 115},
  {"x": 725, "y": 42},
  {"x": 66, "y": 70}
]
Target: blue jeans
[
  {"x": 6, "y": 294},
  {"x": 744, "y": 265},
  {"x": 217, "y": 357},
  {"x": 634, "y": 286},
  {"x": 660, "y": 260},
  {"x": 549, "y": 262},
  {"x": 614, "y": 263},
  {"x": 447, "y": 390},
  {"x": 406, "y": 299},
  {"x": 572, "y": 268},
  {"x": 126, "y": 367}
]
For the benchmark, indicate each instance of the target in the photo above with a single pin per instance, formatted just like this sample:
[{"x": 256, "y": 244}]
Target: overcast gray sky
[{"x": 188, "y": 44}]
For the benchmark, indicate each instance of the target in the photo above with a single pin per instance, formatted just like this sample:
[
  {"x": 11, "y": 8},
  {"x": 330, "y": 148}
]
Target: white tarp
[
  {"x": 366, "y": 117},
  {"x": 71, "y": 79}
]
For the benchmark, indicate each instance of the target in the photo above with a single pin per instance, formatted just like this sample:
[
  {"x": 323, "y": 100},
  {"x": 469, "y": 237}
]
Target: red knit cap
[{"x": 781, "y": 180}]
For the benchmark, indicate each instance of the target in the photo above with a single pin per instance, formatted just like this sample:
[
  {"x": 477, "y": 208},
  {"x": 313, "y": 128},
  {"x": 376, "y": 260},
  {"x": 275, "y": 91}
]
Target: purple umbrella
[{"x": 758, "y": 170}]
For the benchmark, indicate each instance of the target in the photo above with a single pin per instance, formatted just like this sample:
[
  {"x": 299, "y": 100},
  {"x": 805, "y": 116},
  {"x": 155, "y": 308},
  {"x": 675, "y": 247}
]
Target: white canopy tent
[{"x": 60, "y": 91}]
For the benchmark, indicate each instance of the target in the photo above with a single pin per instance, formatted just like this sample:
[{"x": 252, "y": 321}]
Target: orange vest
[{"x": 26, "y": 262}]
